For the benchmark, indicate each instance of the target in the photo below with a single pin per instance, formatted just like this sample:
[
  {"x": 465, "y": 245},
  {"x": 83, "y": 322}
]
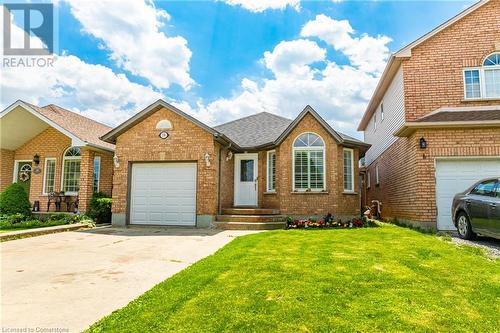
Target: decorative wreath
[{"x": 24, "y": 176}]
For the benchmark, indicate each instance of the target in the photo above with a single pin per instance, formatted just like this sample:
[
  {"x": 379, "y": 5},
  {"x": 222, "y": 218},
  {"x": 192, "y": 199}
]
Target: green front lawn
[{"x": 363, "y": 280}]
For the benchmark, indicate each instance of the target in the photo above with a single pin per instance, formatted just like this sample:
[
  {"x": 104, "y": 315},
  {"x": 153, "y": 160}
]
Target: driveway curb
[{"x": 42, "y": 231}]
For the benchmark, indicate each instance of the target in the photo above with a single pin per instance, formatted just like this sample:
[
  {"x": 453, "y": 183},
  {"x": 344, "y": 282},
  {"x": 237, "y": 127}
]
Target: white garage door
[
  {"x": 163, "y": 194},
  {"x": 454, "y": 176}
]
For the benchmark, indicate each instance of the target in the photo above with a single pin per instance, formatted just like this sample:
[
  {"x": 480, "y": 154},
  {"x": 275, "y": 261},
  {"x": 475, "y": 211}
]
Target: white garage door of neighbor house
[
  {"x": 454, "y": 176},
  {"x": 163, "y": 194}
]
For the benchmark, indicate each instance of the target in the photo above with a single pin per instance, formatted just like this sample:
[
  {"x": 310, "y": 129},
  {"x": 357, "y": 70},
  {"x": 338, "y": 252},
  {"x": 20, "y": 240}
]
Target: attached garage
[
  {"x": 163, "y": 194},
  {"x": 456, "y": 175}
]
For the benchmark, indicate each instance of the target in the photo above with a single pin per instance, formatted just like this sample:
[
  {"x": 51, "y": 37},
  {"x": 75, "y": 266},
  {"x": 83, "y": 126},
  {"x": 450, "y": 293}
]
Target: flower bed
[{"x": 329, "y": 221}]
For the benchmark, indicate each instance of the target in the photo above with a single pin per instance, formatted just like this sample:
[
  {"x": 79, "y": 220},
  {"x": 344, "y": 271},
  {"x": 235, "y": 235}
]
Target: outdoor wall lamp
[
  {"x": 207, "y": 160},
  {"x": 423, "y": 143},
  {"x": 36, "y": 159},
  {"x": 116, "y": 161}
]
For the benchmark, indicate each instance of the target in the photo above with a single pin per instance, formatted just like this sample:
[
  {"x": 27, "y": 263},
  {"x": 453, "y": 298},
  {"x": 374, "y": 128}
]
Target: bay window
[
  {"x": 348, "y": 170},
  {"x": 308, "y": 163}
]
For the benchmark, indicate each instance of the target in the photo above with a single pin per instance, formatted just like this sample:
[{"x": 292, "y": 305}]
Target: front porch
[{"x": 57, "y": 169}]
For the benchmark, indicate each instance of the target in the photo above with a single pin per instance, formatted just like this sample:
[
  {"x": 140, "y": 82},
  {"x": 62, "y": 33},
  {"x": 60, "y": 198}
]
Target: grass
[
  {"x": 363, "y": 280},
  {"x": 30, "y": 224}
]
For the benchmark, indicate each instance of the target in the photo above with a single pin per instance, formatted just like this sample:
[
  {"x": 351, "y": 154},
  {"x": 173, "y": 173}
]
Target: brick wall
[
  {"x": 6, "y": 168},
  {"x": 187, "y": 142},
  {"x": 433, "y": 76},
  {"x": 52, "y": 144},
  {"x": 407, "y": 182}
]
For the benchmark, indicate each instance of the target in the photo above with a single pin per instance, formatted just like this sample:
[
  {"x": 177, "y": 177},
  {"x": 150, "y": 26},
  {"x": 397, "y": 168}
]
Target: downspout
[{"x": 219, "y": 209}]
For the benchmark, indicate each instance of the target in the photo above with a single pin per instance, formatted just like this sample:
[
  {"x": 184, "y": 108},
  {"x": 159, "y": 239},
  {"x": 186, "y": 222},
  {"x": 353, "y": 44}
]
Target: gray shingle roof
[
  {"x": 260, "y": 129},
  {"x": 255, "y": 130},
  {"x": 462, "y": 116}
]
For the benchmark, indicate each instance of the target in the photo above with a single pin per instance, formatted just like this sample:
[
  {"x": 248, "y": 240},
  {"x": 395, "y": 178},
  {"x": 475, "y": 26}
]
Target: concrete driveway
[{"x": 67, "y": 281}]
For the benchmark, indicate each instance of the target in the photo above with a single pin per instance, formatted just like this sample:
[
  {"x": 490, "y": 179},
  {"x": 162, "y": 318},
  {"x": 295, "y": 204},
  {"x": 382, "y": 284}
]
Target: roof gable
[
  {"x": 396, "y": 59},
  {"x": 82, "y": 130},
  {"x": 309, "y": 110},
  {"x": 138, "y": 117}
]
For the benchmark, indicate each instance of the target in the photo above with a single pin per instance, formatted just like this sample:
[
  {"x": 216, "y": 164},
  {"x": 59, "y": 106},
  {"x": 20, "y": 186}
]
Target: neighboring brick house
[
  {"x": 49, "y": 149},
  {"x": 174, "y": 170},
  {"x": 434, "y": 120}
]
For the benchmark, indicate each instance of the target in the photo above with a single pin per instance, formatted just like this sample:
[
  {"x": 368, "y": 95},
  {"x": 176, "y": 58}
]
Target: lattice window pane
[{"x": 472, "y": 84}]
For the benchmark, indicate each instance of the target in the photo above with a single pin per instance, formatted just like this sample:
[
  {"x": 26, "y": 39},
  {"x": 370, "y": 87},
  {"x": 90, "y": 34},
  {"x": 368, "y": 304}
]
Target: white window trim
[
  {"x": 377, "y": 176},
  {"x": 16, "y": 168},
  {"x": 62, "y": 169},
  {"x": 482, "y": 82},
  {"x": 352, "y": 169},
  {"x": 323, "y": 149},
  {"x": 268, "y": 177},
  {"x": 97, "y": 157},
  {"x": 45, "y": 173}
]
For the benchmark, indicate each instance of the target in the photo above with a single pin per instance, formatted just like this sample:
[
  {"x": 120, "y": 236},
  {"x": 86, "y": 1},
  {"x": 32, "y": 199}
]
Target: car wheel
[{"x": 464, "y": 227}]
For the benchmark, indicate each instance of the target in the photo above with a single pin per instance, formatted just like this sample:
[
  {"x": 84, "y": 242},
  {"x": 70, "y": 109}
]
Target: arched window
[
  {"x": 492, "y": 60},
  {"x": 71, "y": 171},
  {"x": 483, "y": 82},
  {"x": 308, "y": 163}
]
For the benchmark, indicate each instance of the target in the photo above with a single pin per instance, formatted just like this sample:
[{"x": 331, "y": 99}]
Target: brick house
[
  {"x": 174, "y": 170},
  {"x": 434, "y": 120},
  {"x": 49, "y": 150}
]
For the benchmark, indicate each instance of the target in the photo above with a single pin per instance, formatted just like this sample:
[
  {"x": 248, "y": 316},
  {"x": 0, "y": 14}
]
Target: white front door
[
  {"x": 456, "y": 175},
  {"x": 245, "y": 179}
]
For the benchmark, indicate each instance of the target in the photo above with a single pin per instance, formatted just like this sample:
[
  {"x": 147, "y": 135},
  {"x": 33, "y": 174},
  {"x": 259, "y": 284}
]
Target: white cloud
[
  {"x": 366, "y": 52},
  {"x": 293, "y": 58},
  {"x": 93, "y": 90},
  {"x": 130, "y": 29},
  {"x": 258, "y": 6},
  {"x": 301, "y": 75}
]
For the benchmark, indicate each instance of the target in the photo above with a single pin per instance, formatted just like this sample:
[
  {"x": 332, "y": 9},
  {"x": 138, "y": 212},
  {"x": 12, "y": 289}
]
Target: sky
[{"x": 221, "y": 60}]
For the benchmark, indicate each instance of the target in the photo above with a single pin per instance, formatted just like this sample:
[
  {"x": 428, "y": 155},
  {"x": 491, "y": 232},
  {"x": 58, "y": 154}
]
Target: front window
[
  {"x": 483, "y": 82},
  {"x": 97, "y": 173},
  {"x": 71, "y": 171},
  {"x": 309, "y": 163},
  {"x": 382, "y": 112},
  {"x": 49, "y": 175},
  {"x": 271, "y": 171},
  {"x": 377, "y": 177}
]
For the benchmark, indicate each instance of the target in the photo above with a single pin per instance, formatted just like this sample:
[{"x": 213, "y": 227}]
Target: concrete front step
[
  {"x": 251, "y": 218},
  {"x": 250, "y": 211},
  {"x": 249, "y": 225}
]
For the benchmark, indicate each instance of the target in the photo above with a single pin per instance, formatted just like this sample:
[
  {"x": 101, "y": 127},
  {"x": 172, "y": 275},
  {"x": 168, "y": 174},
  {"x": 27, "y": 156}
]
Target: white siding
[{"x": 394, "y": 117}]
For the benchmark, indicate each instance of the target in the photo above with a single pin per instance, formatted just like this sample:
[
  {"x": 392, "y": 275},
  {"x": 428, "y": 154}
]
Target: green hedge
[
  {"x": 100, "y": 208},
  {"x": 14, "y": 200}
]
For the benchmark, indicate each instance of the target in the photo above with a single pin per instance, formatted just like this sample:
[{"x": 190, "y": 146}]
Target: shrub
[
  {"x": 100, "y": 208},
  {"x": 14, "y": 200}
]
